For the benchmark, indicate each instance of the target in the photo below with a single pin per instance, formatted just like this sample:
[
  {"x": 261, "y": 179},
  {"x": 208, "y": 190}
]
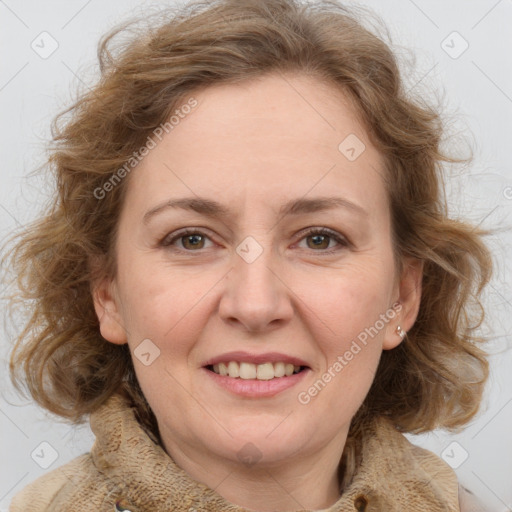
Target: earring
[{"x": 401, "y": 332}]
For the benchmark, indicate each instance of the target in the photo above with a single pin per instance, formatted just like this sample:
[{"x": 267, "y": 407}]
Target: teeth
[
  {"x": 247, "y": 371},
  {"x": 265, "y": 371},
  {"x": 233, "y": 369},
  {"x": 279, "y": 370}
]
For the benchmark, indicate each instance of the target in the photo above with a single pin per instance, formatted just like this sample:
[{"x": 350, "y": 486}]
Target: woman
[{"x": 248, "y": 278}]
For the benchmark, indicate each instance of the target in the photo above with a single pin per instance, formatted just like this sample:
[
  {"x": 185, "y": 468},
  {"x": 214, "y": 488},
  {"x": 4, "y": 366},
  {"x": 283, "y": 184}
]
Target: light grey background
[{"x": 477, "y": 89}]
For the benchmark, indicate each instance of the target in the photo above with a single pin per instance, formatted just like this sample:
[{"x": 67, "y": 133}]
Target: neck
[{"x": 306, "y": 481}]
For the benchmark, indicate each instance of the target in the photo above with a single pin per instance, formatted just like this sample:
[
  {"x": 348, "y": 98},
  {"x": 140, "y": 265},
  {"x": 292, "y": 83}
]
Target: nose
[{"x": 256, "y": 296}]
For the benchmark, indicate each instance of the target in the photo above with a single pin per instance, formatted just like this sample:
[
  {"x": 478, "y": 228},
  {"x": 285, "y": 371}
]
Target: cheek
[
  {"x": 164, "y": 305},
  {"x": 170, "y": 309},
  {"x": 348, "y": 302},
  {"x": 348, "y": 329},
  {"x": 348, "y": 333}
]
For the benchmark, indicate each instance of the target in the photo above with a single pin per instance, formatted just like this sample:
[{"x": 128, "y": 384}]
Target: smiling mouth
[{"x": 248, "y": 371}]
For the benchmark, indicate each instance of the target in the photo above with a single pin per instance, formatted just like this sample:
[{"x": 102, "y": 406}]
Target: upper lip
[{"x": 246, "y": 357}]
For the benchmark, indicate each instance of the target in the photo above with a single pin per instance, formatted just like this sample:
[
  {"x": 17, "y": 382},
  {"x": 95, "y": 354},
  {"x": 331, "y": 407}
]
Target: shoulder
[
  {"x": 434, "y": 465},
  {"x": 56, "y": 487},
  {"x": 404, "y": 475},
  {"x": 444, "y": 478},
  {"x": 469, "y": 502},
  {"x": 443, "y": 475}
]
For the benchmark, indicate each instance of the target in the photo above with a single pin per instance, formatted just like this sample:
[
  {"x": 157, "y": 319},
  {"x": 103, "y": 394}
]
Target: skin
[{"x": 253, "y": 147}]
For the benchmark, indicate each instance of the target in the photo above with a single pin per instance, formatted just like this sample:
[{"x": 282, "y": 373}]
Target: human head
[{"x": 229, "y": 42}]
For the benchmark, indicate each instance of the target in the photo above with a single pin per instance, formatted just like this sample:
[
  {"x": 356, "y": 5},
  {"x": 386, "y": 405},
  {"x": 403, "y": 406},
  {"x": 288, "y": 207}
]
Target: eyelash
[{"x": 342, "y": 241}]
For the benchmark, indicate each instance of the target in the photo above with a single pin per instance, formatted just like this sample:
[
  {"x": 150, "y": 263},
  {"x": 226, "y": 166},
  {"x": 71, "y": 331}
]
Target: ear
[
  {"x": 409, "y": 299},
  {"x": 107, "y": 307}
]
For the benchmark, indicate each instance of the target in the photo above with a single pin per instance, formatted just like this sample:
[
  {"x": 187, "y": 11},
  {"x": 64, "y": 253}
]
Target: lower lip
[{"x": 253, "y": 388}]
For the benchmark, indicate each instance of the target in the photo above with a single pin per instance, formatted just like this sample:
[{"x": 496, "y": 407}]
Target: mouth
[
  {"x": 250, "y": 375},
  {"x": 251, "y": 371}
]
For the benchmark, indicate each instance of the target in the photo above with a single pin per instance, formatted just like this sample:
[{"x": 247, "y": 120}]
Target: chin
[{"x": 269, "y": 441}]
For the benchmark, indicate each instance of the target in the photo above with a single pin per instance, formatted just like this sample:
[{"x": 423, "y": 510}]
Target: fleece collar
[{"x": 394, "y": 475}]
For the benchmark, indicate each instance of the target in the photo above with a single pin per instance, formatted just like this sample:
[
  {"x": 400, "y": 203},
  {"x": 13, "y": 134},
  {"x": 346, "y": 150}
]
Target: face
[{"x": 252, "y": 243}]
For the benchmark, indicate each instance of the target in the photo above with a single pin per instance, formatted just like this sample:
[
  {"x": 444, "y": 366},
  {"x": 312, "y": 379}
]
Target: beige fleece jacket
[{"x": 126, "y": 470}]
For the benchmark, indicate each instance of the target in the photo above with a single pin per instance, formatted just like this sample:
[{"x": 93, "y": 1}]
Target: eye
[
  {"x": 188, "y": 240},
  {"x": 320, "y": 239}
]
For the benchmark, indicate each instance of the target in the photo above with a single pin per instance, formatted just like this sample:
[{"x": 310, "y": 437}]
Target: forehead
[{"x": 273, "y": 137}]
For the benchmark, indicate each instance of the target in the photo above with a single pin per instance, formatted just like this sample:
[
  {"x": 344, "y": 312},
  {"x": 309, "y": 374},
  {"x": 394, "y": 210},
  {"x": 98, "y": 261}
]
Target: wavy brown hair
[{"x": 433, "y": 379}]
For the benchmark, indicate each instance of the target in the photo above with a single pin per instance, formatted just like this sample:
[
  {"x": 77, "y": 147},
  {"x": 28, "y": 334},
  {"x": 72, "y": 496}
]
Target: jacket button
[
  {"x": 121, "y": 506},
  {"x": 360, "y": 503}
]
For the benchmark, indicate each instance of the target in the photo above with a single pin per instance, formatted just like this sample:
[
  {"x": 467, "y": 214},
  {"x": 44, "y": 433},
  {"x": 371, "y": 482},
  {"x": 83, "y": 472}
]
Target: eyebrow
[{"x": 211, "y": 208}]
